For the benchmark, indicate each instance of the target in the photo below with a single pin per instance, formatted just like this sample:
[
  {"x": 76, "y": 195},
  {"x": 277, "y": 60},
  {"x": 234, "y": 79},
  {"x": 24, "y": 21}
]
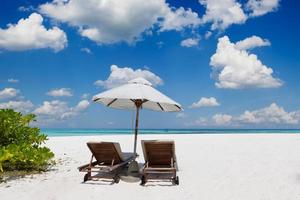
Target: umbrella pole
[
  {"x": 133, "y": 168},
  {"x": 136, "y": 127}
]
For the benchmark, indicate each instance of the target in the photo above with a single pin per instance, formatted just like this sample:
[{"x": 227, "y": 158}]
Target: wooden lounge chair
[
  {"x": 109, "y": 160},
  {"x": 160, "y": 161}
]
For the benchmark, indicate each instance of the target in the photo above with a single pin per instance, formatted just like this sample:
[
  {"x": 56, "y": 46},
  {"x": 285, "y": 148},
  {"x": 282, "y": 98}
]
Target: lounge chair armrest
[
  {"x": 159, "y": 170},
  {"x": 176, "y": 165},
  {"x": 80, "y": 168}
]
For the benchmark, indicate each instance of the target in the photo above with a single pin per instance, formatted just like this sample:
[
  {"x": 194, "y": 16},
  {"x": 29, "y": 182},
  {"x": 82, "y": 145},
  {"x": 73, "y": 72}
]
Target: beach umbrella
[{"x": 135, "y": 95}]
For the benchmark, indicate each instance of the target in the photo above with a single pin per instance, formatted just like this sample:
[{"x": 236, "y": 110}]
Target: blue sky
[{"x": 232, "y": 67}]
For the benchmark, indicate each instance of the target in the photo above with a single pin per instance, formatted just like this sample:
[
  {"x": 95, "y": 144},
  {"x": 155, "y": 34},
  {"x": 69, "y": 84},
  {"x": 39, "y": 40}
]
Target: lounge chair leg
[
  {"x": 116, "y": 179},
  {"x": 143, "y": 180},
  {"x": 176, "y": 180},
  {"x": 86, "y": 177}
]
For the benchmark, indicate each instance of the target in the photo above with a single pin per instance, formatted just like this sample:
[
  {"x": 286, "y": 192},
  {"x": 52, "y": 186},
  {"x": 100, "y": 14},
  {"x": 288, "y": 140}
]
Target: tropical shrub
[{"x": 20, "y": 144}]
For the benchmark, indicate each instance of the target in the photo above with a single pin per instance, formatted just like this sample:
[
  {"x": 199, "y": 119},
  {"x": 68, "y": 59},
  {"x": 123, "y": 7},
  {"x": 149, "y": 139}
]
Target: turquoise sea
[{"x": 84, "y": 132}]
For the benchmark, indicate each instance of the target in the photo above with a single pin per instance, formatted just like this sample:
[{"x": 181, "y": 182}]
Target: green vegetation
[{"x": 21, "y": 145}]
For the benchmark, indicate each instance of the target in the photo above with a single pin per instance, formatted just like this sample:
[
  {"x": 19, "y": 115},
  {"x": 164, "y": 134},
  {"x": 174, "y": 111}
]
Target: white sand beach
[{"x": 212, "y": 167}]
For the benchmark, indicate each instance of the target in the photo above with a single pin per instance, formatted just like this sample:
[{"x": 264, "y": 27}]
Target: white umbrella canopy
[
  {"x": 125, "y": 96},
  {"x": 136, "y": 94}
]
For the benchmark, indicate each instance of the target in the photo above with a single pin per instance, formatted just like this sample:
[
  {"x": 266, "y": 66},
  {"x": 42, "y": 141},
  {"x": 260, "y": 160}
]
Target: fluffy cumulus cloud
[
  {"x": 261, "y": 7},
  {"x": 8, "y": 93},
  {"x": 270, "y": 114},
  {"x": 49, "y": 111},
  {"x": 30, "y": 33},
  {"x": 222, "y": 119},
  {"x": 223, "y": 13},
  {"x": 60, "y": 110},
  {"x": 113, "y": 21},
  {"x": 205, "y": 102},
  {"x": 179, "y": 19},
  {"x": 190, "y": 42},
  {"x": 119, "y": 76},
  {"x": 81, "y": 106},
  {"x": 237, "y": 68},
  {"x": 107, "y": 22},
  {"x": 62, "y": 92},
  {"x": 252, "y": 42},
  {"x": 20, "y": 106},
  {"x": 52, "y": 108}
]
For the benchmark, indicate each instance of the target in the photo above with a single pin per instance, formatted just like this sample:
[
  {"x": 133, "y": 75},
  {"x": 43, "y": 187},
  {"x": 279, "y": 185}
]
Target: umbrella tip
[{"x": 140, "y": 80}]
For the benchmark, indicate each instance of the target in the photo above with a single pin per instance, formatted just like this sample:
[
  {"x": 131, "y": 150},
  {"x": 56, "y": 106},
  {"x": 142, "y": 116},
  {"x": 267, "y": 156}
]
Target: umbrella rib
[
  {"x": 96, "y": 99},
  {"x": 112, "y": 102},
  {"x": 177, "y": 106},
  {"x": 160, "y": 106}
]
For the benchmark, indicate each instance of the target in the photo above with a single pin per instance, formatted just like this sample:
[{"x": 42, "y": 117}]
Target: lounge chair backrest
[
  {"x": 105, "y": 152},
  {"x": 159, "y": 152}
]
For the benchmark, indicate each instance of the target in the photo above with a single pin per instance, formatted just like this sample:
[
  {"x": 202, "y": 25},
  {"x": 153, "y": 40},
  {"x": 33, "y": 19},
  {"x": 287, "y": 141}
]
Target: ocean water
[{"x": 85, "y": 132}]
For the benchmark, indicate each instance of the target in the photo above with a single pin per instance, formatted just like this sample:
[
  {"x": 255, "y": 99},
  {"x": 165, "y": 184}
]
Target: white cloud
[
  {"x": 205, "y": 102},
  {"x": 60, "y": 110},
  {"x": 55, "y": 107},
  {"x": 270, "y": 114},
  {"x": 20, "y": 106},
  {"x": 85, "y": 96},
  {"x": 201, "y": 121},
  {"x": 222, "y": 119},
  {"x": 251, "y": 42},
  {"x": 26, "y": 9},
  {"x": 119, "y": 76},
  {"x": 62, "y": 92},
  {"x": 31, "y": 34},
  {"x": 110, "y": 123},
  {"x": 107, "y": 22},
  {"x": 8, "y": 93},
  {"x": 86, "y": 50},
  {"x": 11, "y": 80},
  {"x": 223, "y": 13},
  {"x": 190, "y": 42},
  {"x": 81, "y": 106},
  {"x": 234, "y": 68},
  {"x": 179, "y": 19},
  {"x": 112, "y": 21},
  {"x": 215, "y": 120},
  {"x": 181, "y": 115},
  {"x": 261, "y": 7},
  {"x": 207, "y": 34},
  {"x": 160, "y": 44}
]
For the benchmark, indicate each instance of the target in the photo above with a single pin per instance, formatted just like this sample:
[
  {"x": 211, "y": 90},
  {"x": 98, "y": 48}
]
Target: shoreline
[
  {"x": 187, "y": 134},
  {"x": 111, "y": 132}
]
